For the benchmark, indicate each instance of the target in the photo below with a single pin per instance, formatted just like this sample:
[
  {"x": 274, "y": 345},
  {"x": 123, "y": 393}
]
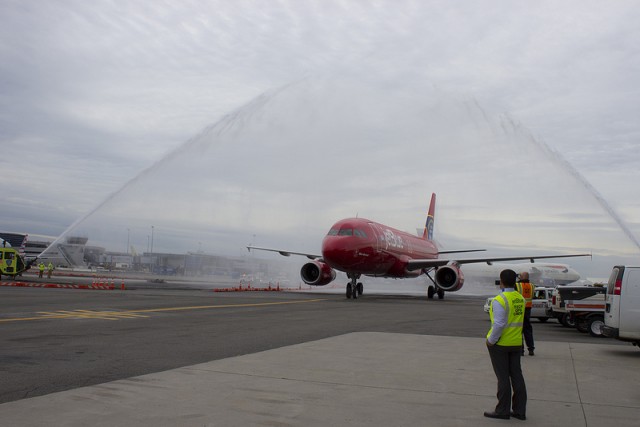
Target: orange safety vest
[{"x": 526, "y": 290}]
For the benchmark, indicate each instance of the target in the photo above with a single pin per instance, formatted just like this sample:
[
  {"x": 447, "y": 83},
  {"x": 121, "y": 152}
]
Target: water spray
[{"x": 557, "y": 158}]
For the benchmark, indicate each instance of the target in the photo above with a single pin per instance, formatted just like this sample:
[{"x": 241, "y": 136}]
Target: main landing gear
[
  {"x": 354, "y": 288},
  {"x": 434, "y": 289},
  {"x": 431, "y": 291}
]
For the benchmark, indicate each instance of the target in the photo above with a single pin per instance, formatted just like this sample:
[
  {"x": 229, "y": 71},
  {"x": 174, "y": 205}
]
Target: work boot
[{"x": 530, "y": 352}]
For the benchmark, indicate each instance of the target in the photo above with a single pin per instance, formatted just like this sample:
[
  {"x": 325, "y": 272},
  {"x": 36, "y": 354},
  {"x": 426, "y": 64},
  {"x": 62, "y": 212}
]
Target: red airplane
[{"x": 359, "y": 246}]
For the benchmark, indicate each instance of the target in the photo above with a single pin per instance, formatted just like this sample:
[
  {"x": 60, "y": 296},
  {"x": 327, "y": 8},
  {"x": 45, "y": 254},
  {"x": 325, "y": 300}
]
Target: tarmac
[{"x": 357, "y": 379}]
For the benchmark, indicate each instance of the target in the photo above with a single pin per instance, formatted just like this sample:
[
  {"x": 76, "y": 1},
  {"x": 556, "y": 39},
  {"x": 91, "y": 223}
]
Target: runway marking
[
  {"x": 131, "y": 314},
  {"x": 88, "y": 314}
]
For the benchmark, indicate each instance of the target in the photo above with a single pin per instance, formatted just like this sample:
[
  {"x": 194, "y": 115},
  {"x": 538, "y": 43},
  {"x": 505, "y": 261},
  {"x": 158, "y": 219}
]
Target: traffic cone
[{"x": 122, "y": 285}]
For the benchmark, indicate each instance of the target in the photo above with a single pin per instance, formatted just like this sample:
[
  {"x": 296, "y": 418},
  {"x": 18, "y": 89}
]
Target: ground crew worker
[
  {"x": 526, "y": 289},
  {"x": 41, "y": 269},
  {"x": 504, "y": 342},
  {"x": 49, "y": 269}
]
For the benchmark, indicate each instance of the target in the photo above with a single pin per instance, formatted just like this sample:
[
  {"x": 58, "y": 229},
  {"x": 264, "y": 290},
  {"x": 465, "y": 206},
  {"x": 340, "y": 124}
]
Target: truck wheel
[
  {"x": 567, "y": 321},
  {"x": 582, "y": 325},
  {"x": 595, "y": 326}
]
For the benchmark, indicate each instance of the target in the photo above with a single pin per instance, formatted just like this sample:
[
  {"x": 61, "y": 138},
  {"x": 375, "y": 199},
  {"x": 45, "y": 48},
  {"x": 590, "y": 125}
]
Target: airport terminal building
[{"x": 74, "y": 253}]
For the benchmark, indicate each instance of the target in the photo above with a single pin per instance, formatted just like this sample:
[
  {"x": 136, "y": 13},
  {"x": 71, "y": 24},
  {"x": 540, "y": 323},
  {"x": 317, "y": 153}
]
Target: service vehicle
[
  {"x": 622, "y": 310},
  {"x": 541, "y": 304},
  {"x": 581, "y": 307},
  {"x": 11, "y": 263}
]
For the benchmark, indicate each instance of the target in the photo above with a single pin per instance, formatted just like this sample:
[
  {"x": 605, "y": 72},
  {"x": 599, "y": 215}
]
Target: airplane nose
[
  {"x": 328, "y": 247},
  {"x": 332, "y": 250}
]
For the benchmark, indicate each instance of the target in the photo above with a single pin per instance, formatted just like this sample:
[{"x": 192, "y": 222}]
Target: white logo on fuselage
[{"x": 393, "y": 239}]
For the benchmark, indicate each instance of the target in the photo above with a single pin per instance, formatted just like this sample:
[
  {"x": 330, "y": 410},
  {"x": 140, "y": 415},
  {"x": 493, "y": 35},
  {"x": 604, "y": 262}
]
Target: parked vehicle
[
  {"x": 541, "y": 304},
  {"x": 622, "y": 311},
  {"x": 580, "y": 306},
  {"x": 12, "y": 264},
  {"x": 487, "y": 304}
]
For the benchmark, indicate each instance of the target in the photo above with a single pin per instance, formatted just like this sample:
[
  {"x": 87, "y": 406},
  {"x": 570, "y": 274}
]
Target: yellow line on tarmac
[
  {"x": 201, "y": 307},
  {"x": 116, "y": 315}
]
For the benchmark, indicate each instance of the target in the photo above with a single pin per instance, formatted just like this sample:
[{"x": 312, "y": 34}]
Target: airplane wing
[
  {"x": 461, "y": 250},
  {"x": 417, "y": 264},
  {"x": 285, "y": 253}
]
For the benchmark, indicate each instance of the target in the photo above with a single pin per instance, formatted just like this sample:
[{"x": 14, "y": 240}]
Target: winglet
[{"x": 428, "y": 226}]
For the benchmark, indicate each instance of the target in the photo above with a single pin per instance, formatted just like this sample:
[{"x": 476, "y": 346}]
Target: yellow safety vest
[
  {"x": 526, "y": 290},
  {"x": 513, "y": 304}
]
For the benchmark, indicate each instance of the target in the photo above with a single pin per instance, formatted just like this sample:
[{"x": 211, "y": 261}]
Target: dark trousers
[
  {"x": 506, "y": 365},
  {"x": 527, "y": 329}
]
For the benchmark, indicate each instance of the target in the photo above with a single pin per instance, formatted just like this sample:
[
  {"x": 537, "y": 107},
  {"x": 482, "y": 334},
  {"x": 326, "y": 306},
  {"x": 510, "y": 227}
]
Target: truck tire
[
  {"x": 567, "y": 321},
  {"x": 595, "y": 326},
  {"x": 582, "y": 324}
]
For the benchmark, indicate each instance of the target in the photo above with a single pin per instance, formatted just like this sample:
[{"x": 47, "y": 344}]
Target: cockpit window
[
  {"x": 345, "y": 232},
  {"x": 360, "y": 233}
]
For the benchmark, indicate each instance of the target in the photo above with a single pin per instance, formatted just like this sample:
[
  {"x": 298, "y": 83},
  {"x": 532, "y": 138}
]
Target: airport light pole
[
  {"x": 128, "y": 236},
  {"x": 152, "y": 239}
]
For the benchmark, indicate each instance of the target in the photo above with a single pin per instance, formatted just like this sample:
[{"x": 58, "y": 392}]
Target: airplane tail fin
[
  {"x": 428, "y": 226},
  {"x": 23, "y": 246}
]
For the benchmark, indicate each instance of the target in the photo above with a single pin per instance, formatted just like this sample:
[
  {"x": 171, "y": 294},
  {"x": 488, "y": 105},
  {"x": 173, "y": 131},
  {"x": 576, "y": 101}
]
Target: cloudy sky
[{"x": 227, "y": 122}]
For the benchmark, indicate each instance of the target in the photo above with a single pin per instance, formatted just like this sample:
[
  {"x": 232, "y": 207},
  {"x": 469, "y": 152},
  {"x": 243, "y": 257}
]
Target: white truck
[
  {"x": 622, "y": 312},
  {"x": 580, "y": 306}
]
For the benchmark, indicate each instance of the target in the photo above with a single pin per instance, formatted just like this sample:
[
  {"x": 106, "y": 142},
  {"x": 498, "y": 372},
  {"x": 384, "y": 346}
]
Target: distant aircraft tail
[
  {"x": 428, "y": 226},
  {"x": 23, "y": 246}
]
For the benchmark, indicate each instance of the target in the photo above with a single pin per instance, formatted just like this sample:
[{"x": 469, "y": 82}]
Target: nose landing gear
[{"x": 354, "y": 288}]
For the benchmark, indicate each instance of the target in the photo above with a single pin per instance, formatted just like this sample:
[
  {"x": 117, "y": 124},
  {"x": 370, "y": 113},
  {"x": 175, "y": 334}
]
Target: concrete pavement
[{"x": 357, "y": 379}]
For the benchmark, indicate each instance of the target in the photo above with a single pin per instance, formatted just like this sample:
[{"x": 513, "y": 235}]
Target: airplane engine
[
  {"x": 317, "y": 273},
  {"x": 449, "y": 278}
]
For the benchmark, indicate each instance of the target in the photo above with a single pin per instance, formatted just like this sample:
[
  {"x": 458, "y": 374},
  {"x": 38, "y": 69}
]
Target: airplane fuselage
[
  {"x": 360, "y": 246},
  {"x": 540, "y": 273}
]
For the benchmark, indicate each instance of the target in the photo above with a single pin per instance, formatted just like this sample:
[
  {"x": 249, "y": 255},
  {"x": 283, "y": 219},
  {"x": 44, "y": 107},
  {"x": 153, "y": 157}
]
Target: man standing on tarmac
[
  {"x": 504, "y": 342},
  {"x": 525, "y": 288},
  {"x": 40, "y": 269}
]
